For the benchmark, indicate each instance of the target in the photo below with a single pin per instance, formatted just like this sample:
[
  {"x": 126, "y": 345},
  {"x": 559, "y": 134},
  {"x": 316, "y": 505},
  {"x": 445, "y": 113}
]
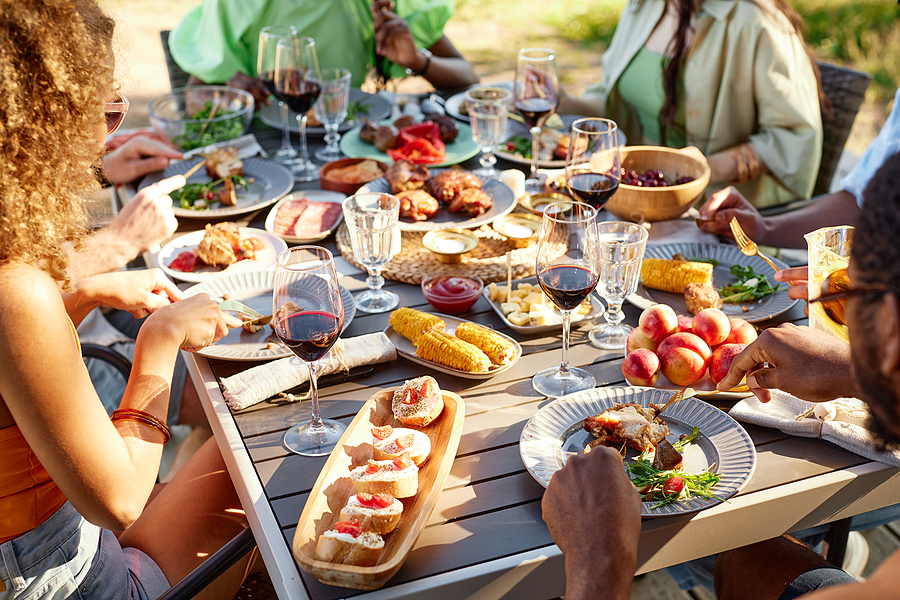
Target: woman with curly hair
[{"x": 69, "y": 475}]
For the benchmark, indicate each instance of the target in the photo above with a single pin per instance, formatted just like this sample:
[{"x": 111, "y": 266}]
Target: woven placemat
[{"x": 415, "y": 262}]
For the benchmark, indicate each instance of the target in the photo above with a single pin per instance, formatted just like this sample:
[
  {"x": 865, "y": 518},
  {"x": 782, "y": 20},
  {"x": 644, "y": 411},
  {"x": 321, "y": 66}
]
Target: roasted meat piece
[
  {"x": 447, "y": 184},
  {"x": 417, "y": 205},
  {"x": 404, "y": 175},
  {"x": 217, "y": 248},
  {"x": 698, "y": 296},
  {"x": 667, "y": 457},
  {"x": 223, "y": 162},
  {"x": 473, "y": 201},
  {"x": 638, "y": 426}
]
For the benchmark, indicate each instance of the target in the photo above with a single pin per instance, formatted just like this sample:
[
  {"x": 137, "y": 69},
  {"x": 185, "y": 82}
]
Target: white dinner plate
[
  {"x": 255, "y": 290},
  {"x": 515, "y": 128},
  {"x": 554, "y": 318},
  {"x": 502, "y": 196},
  {"x": 271, "y": 181},
  {"x": 378, "y": 107},
  {"x": 727, "y": 255},
  {"x": 555, "y": 433},
  {"x": 312, "y": 196},
  {"x": 408, "y": 350},
  {"x": 265, "y": 258}
]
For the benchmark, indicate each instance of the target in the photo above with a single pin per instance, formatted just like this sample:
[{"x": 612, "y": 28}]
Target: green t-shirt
[
  {"x": 221, "y": 37},
  {"x": 641, "y": 86}
]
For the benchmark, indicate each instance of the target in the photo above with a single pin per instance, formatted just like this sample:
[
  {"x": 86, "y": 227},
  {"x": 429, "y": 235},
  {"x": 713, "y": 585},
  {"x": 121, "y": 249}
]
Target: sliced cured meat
[
  {"x": 287, "y": 215},
  {"x": 316, "y": 219}
]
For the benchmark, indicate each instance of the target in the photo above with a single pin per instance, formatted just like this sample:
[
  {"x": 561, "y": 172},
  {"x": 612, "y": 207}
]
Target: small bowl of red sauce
[{"x": 452, "y": 292}]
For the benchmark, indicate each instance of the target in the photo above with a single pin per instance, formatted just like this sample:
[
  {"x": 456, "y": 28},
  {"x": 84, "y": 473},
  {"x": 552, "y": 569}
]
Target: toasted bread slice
[
  {"x": 376, "y": 519},
  {"x": 383, "y": 477},
  {"x": 362, "y": 550},
  {"x": 403, "y": 440},
  {"x": 418, "y": 402}
]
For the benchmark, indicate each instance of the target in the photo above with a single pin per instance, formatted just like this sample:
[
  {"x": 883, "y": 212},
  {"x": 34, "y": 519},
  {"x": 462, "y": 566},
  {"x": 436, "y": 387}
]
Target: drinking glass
[
  {"x": 621, "y": 247},
  {"x": 331, "y": 109},
  {"x": 265, "y": 68},
  {"x": 488, "y": 108},
  {"x": 829, "y": 251},
  {"x": 371, "y": 219},
  {"x": 295, "y": 62},
  {"x": 536, "y": 98},
  {"x": 567, "y": 265},
  {"x": 592, "y": 161},
  {"x": 308, "y": 318}
]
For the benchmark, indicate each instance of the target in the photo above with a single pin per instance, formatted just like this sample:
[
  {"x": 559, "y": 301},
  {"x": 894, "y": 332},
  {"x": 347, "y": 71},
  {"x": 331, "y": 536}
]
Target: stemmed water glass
[
  {"x": 265, "y": 68},
  {"x": 308, "y": 318},
  {"x": 536, "y": 98},
  {"x": 621, "y": 248},
  {"x": 295, "y": 62},
  {"x": 488, "y": 108},
  {"x": 331, "y": 109},
  {"x": 592, "y": 161},
  {"x": 371, "y": 219},
  {"x": 567, "y": 270}
]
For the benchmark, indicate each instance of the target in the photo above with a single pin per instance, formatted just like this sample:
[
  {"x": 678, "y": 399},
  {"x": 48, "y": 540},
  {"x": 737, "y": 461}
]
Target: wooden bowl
[
  {"x": 343, "y": 187},
  {"x": 659, "y": 204}
]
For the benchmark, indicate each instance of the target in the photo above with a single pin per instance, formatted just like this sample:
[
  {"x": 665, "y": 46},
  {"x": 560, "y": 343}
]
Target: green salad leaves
[
  {"x": 200, "y": 134},
  {"x": 750, "y": 286}
]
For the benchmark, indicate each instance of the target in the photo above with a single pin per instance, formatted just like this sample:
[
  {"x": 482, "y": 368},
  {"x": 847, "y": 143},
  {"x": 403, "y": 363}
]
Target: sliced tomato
[
  {"x": 352, "y": 527},
  {"x": 405, "y": 441},
  {"x": 184, "y": 262},
  {"x": 373, "y": 467},
  {"x": 403, "y": 462},
  {"x": 427, "y": 388},
  {"x": 375, "y": 500},
  {"x": 673, "y": 485},
  {"x": 409, "y": 396},
  {"x": 382, "y": 433}
]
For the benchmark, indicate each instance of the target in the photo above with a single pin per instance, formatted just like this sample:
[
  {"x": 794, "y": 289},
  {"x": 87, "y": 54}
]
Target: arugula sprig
[
  {"x": 749, "y": 286},
  {"x": 519, "y": 145},
  {"x": 204, "y": 132},
  {"x": 198, "y": 196},
  {"x": 356, "y": 110}
]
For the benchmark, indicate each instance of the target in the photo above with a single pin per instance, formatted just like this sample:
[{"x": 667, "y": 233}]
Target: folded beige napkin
[
  {"x": 246, "y": 145},
  {"x": 841, "y": 421},
  {"x": 262, "y": 382}
]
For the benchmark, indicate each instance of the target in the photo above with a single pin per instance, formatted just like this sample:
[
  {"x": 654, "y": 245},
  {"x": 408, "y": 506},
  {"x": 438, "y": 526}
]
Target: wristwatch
[{"x": 421, "y": 73}]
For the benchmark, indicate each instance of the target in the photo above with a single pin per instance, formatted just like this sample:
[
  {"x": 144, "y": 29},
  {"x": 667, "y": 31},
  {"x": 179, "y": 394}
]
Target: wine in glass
[
  {"x": 592, "y": 161},
  {"x": 621, "y": 248},
  {"x": 371, "y": 219},
  {"x": 295, "y": 62},
  {"x": 567, "y": 271},
  {"x": 265, "y": 69},
  {"x": 331, "y": 108},
  {"x": 488, "y": 108},
  {"x": 308, "y": 318},
  {"x": 536, "y": 98}
]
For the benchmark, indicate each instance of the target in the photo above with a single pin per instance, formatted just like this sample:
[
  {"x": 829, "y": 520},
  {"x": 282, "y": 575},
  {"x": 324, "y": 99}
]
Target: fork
[
  {"x": 234, "y": 305},
  {"x": 748, "y": 246},
  {"x": 676, "y": 397}
]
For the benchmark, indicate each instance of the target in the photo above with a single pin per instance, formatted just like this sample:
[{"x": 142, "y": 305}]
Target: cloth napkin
[
  {"x": 262, "y": 382},
  {"x": 246, "y": 145},
  {"x": 841, "y": 421}
]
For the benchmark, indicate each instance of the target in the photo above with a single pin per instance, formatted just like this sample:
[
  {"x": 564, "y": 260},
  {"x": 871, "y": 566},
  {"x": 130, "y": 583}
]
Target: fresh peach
[
  {"x": 684, "y": 324},
  {"x": 641, "y": 367},
  {"x": 711, "y": 325},
  {"x": 685, "y": 340},
  {"x": 742, "y": 332},
  {"x": 637, "y": 339},
  {"x": 683, "y": 358},
  {"x": 658, "y": 322},
  {"x": 721, "y": 360}
]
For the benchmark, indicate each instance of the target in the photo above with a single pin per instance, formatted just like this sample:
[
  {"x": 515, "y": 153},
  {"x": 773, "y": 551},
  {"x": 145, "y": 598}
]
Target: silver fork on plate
[{"x": 234, "y": 305}]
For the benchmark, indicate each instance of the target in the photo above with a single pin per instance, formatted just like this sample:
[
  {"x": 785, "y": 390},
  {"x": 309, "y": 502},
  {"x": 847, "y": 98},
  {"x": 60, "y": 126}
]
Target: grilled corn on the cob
[
  {"x": 410, "y": 323},
  {"x": 451, "y": 351},
  {"x": 499, "y": 349},
  {"x": 673, "y": 275}
]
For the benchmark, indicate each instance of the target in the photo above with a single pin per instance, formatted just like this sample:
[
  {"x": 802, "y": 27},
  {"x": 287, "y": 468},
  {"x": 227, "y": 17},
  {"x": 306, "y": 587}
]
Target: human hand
[
  {"x": 796, "y": 278},
  {"x": 717, "y": 212},
  {"x": 804, "y": 362},
  {"x": 196, "y": 322},
  {"x": 137, "y": 157},
  {"x": 148, "y": 219},
  {"x": 141, "y": 292},
  {"x": 393, "y": 39},
  {"x": 253, "y": 85}
]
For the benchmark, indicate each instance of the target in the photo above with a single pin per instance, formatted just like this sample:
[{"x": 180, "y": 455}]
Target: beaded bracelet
[{"x": 131, "y": 414}]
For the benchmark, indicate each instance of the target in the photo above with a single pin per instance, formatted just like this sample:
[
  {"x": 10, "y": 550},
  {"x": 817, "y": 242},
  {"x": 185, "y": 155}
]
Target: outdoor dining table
[{"x": 486, "y": 538}]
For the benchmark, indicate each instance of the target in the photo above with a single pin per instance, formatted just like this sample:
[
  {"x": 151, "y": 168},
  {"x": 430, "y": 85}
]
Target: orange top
[{"x": 28, "y": 496}]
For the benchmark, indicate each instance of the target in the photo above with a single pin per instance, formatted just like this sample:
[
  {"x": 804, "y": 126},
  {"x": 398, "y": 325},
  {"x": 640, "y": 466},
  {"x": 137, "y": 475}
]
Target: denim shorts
[{"x": 67, "y": 557}]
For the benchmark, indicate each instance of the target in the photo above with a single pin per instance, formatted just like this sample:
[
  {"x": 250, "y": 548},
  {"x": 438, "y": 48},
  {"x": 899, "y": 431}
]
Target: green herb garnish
[
  {"x": 198, "y": 196},
  {"x": 711, "y": 261},
  {"x": 519, "y": 145},
  {"x": 357, "y": 110},
  {"x": 750, "y": 286},
  {"x": 200, "y": 134}
]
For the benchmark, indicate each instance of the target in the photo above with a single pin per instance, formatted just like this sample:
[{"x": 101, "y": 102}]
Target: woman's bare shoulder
[{"x": 27, "y": 292}]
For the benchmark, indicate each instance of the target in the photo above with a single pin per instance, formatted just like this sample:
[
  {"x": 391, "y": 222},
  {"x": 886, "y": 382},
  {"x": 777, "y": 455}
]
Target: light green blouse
[
  {"x": 641, "y": 85},
  {"x": 220, "y": 37}
]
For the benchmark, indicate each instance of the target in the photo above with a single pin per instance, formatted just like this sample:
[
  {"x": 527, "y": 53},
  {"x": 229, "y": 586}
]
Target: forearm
[
  {"x": 608, "y": 575},
  {"x": 735, "y": 165},
  {"x": 447, "y": 73},
  {"x": 105, "y": 250},
  {"x": 787, "y": 230},
  {"x": 587, "y": 106}
]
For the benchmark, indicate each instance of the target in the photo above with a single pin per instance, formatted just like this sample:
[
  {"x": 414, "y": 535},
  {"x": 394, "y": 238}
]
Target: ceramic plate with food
[
  {"x": 555, "y": 433},
  {"x": 460, "y": 149},
  {"x": 725, "y": 255},
  {"x": 267, "y": 181},
  {"x": 297, "y": 222},
  {"x": 549, "y": 142},
  {"x": 362, "y": 105},
  {"x": 546, "y": 319},
  {"x": 502, "y": 197},
  {"x": 269, "y": 247}
]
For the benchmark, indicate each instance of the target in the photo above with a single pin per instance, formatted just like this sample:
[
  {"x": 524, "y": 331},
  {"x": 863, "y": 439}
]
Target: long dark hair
[{"x": 673, "y": 73}]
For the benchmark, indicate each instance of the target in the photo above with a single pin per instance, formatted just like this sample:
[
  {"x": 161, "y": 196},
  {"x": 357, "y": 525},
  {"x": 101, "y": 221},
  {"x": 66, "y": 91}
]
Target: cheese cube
[
  {"x": 510, "y": 307},
  {"x": 518, "y": 318}
]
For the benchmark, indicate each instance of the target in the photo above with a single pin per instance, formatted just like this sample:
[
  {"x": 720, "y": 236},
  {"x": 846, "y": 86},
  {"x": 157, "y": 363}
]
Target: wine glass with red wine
[
  {"x": 296, "y": 64},
  {"x": 568, "y": 271},
  {"x": 536, "y": 97},
  {"x": 592, "y": 161},
  {"x": 265, "y": 70},
  {"x": 308, "y": 318}
]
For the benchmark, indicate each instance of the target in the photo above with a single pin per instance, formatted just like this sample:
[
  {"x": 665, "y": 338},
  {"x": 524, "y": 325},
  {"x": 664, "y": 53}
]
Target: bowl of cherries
[{"x": 658, "y": 183}]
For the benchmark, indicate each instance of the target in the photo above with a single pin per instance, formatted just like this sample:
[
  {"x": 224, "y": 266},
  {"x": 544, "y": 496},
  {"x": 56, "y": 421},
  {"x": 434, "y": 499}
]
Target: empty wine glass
[
  {"x": 295, "y": 62},
  {"x": 331, "y": 109},
  {"x": 536, "y": 98},
  {"x": 371, "y": 219},
  {"x": 621, "y": 248},
  {"x": 488, "y": 108},
  {"x": 308, "y": 318},
  {"x": 566, "y": 265},
  {"x": 592, "y": 161},
  {"x": 265, "y": 69}
]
